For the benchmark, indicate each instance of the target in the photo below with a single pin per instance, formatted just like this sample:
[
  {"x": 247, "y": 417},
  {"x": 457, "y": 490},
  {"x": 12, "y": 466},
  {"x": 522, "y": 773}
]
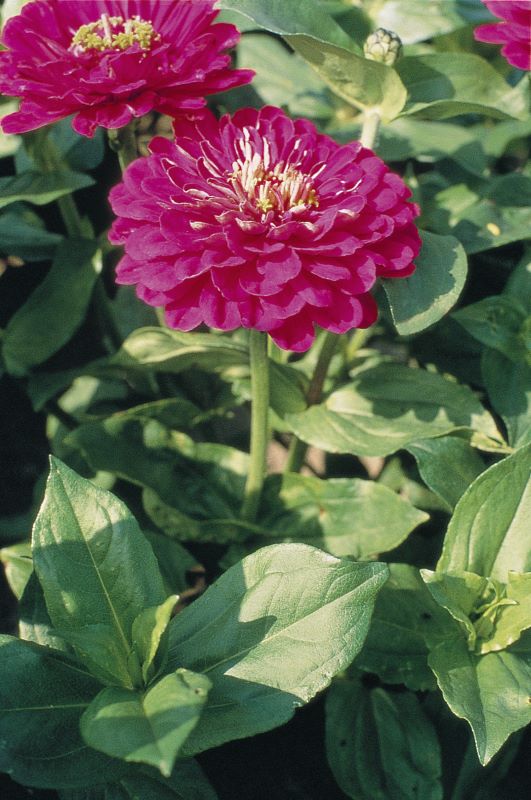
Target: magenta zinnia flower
[
  {"x": 513, "y": 30},
  {"x": 259, "y": 221},
  {"x": 107, "y": 61}
]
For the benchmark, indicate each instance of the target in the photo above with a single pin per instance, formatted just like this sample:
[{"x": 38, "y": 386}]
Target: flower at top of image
[
  {"x": 107, "y": 61},
  {"x": 259, "y": 221},
  {"x": 513, "y": 30}
]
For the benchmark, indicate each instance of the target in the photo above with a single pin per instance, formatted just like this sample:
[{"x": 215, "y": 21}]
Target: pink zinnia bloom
[
  {"x": 260, "y": 221},
  {"x": 107, "y": 61},
  {"x": 513, "y": 30}
]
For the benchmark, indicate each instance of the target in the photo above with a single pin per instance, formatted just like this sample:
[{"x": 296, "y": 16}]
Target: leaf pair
[{"x": 268, "y": 635}]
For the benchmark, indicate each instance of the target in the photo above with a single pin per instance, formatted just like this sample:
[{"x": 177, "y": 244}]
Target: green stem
[
  {"x": 369, "y": 131},
  {"x": 259, "y": 424},
  {"x": 297, "y": 449},
  {"x": 123, "y": 142}
]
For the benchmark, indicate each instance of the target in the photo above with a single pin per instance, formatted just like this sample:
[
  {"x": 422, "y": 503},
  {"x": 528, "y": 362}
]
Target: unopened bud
[{"x": 383, "y": 46}]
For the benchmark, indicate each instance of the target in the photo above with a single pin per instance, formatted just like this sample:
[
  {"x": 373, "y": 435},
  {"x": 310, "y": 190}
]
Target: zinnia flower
[
  {"x": 260, "y": 221},
  {"x": 513, "y": 30},
  {"x": 107, "y": 61}
]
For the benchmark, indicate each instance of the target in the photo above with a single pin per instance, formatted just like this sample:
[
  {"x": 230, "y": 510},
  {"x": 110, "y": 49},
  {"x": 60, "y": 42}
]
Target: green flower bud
[{"x": 383, "y": 46}]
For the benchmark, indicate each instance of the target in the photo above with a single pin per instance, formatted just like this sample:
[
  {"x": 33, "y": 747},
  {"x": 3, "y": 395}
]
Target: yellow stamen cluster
[
  {"x": 114, "y": 33},
  {"x": 278, "y": 189}
]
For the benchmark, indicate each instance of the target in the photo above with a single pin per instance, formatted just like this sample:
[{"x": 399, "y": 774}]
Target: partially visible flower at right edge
[{"x": 513, "y": 30}]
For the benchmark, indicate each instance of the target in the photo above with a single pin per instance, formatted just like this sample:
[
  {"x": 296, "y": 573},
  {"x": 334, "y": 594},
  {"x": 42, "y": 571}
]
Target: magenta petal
[{"x": 220, "y": 228}]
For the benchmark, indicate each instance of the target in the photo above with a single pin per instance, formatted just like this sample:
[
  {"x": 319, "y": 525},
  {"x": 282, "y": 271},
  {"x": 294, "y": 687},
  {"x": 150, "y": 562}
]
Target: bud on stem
[{"x": 383, "y": 46}]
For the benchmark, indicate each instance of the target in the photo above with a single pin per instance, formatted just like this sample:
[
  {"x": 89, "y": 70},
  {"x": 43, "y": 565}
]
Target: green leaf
[
  {"x": 95, "y": 566},
  {"x": 367, "y": 85},
  {"x": 39, "y": 189},
  {"x": 149, "y": 638},
  {"x": 103, "y": 654},
  {"x": 459, "y": 594},
  {"x": 439, "y": 85},
  {"x": 447, "y": 465},
  {"x": 381, "y": 745},
  {"x": 346, "y": 517},
  {"x": 164, "y": 350},
  {"x": 175, "y": 562},
  {"x": 54, "y": 311},
  {"x": 41, "y": 700},
  {"x": 511, "y": 620},
  {"x": 491, "y": 691},
  {"x": 508, "y": 386},
  {"x": 194, "y": 482},
  {"x": 422, "y": 299},
  {"x": 496, "y": 322},
  {"x": 34, "y": 623},
  {"x": 270, "y": 634},
  {"x": 395, "y": 648},
  {"x": 300, "y": 17},
  {"x": 415, "y": 21},
  {"x": 488, "y": 531},
  {"x": 149, "y": 728},
  {"x": 18, "y": 566},
  {"x": 482, "y": 225},
  {"x": 386, "y": 408},
  {"x": 283, "y": 78},
  {"x": 21, "y": 236},
  {"x": 187, "y": 782}
]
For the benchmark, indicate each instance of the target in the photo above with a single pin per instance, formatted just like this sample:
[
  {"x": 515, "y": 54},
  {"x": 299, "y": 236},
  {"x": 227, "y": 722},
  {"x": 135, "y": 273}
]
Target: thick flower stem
[
  {"x": 297, "y": 449},
  {"x": 259, "y": 424},
  {"x": 123, "y": 142},
  {"x": 369, "y": 131}
]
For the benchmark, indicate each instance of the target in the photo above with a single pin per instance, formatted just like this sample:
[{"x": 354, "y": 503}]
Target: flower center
[
  {"x": 277, "y": 189},
  {"x": 114, "y": 33}
]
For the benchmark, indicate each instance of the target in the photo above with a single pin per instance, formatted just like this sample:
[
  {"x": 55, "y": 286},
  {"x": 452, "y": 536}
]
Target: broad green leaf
[
  {"x": 488, "y": 533},
  {"x": 490, "y": 691},
  {"x": 511, "y": 620},
  {"x": 187, "y": 782},
  {"x": 426, "y": 141},
  {"x": 448, "y": 465},
  {"x": 21, "y": 237},
  {"x": 199, "y": 481},
  {"x": 416, "y": 20},
  {"x": 18, "y": 566},
  {"x": 381, "y": 745},
  {"x": 102, "y": 653},
  {"x": 270, "y": 634},
  {"x": 460, "y": 595},
  {"x": 508, "y": 386},
  {"x": 395, "y": 648},
  {"x": 164, "y": 350},
  {"x": 39, "y": 189},
  {"x": 386, "y": 408},
  {"x": 497, "y": 138},
  {"x": 42, "y": 697},
  {"x": 497, "y": 322},
  {"x": 422, "y": 299},
  {"x": 149, "y": 728},
  {"x": 367, "y": 85},
  {"x": 513, "y": 189},
  {"x": 484, "y": 225},
  {"x": 439, "y": 85},
  {"x": 175, "y": 562},
  {"x": 283, "y": 78},
  {"x": 299, "y": 17},
  {"x": 54, "y": 311},
  {"x": 34, "y": 624},
  {"x": 94, "y": 564},
  {"x": 149, "y": 630},
  {"x": 346, "y": 517}
]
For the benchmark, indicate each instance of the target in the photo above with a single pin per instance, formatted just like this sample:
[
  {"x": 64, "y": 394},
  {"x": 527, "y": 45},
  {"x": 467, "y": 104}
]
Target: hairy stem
[{"x": 259, "y": 424}]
